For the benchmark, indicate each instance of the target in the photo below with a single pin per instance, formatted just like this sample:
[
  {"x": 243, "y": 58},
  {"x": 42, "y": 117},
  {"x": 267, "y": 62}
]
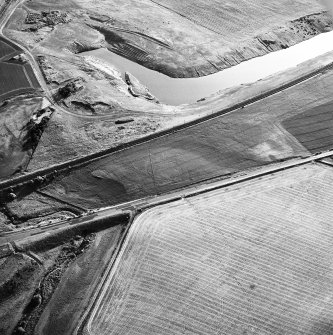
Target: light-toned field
[{"x": 255, "y": 258}]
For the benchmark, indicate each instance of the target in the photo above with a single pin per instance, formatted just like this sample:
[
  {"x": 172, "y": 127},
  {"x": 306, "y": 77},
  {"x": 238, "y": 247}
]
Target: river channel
[{"x": 176, "y": 91}]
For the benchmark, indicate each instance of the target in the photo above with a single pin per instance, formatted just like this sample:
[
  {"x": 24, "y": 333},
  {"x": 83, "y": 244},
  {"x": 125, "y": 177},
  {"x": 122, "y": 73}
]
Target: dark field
[
  {"x": 7, "y": 50},
  {"x": 15, "y": 78},
  {"x": 314, "y": 128},
  {"x": 201, "y": 152}
]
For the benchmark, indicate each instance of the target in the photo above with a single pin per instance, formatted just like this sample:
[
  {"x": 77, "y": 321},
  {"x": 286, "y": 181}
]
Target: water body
[{"x": 176, "y": 91}]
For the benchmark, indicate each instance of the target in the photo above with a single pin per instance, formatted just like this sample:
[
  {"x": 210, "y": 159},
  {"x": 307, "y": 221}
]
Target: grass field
[{"x": 255, "y": 258}]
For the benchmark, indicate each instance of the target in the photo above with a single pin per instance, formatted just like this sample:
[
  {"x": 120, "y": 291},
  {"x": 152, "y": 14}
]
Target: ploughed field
[
  {"x": 224, "y": 18},
  {"x": 254, "y": 258}
]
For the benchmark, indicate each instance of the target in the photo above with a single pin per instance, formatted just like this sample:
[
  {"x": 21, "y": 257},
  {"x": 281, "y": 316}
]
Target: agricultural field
[
  {"x": 202, "y": 152},
  {"x": 224, "y": 18},
  {"x": 14, "y": 80},
  {"x": 78, "y": 134},
  {"x": 254, "y": 258},
  {"x": 314, "y": 128},
  {"x": 7, "y": 49},
  {"x": 16, "y": 77},
  {"x": 255, "y": 135}
]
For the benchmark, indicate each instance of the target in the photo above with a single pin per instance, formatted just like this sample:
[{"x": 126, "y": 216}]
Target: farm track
[{"x": 14, "y": 78}]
